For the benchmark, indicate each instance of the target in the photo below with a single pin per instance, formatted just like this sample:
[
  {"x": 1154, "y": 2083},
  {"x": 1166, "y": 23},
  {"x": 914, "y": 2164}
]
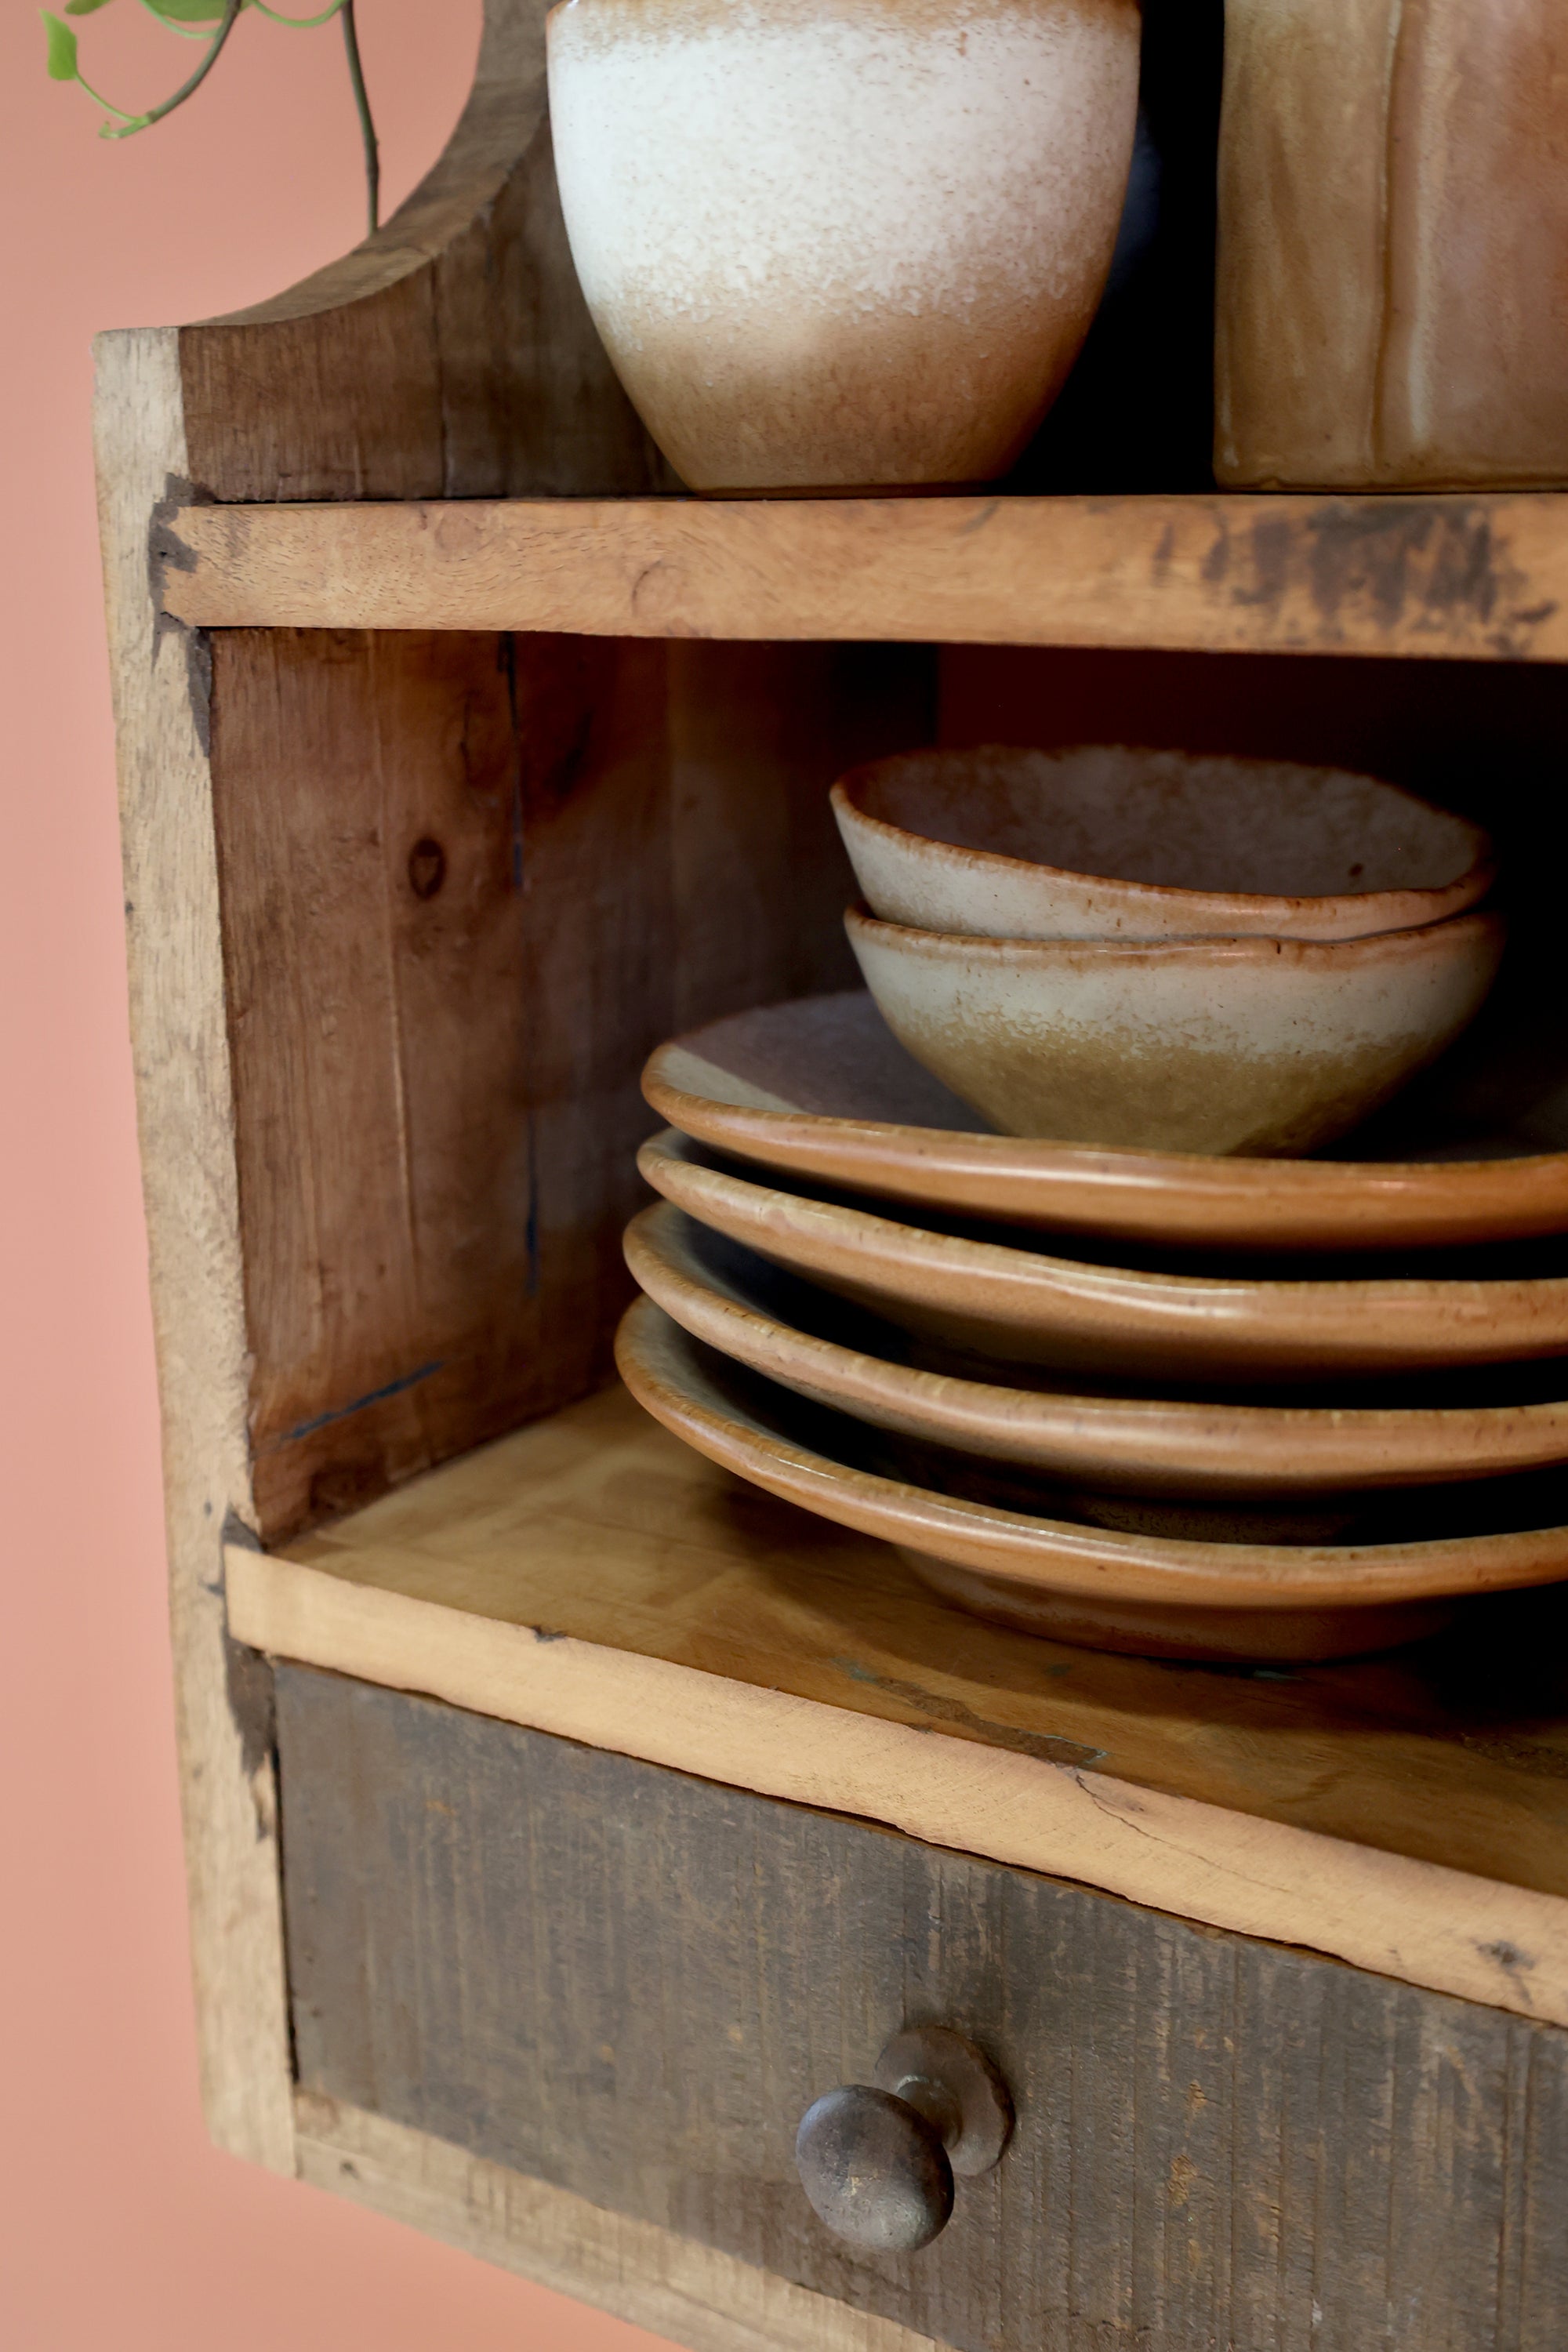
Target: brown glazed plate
[
  {"x": 968, "y": 1288},
  {"x": 1477, "y": 1151},
  {"x": 1147, "y": 1593},
  {"x": 1171, "y": 1446}
]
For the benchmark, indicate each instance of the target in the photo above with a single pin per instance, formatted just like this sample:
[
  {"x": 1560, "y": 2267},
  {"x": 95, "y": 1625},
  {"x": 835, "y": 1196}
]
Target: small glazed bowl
[
  {"x": 1222, "y": 1045},
  {"x": 1102, "y": 842},
  {"x": 842, "y": 244}
]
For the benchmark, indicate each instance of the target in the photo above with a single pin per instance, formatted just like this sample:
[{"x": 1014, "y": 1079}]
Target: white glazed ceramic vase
[{"x": 842, "y": 244}]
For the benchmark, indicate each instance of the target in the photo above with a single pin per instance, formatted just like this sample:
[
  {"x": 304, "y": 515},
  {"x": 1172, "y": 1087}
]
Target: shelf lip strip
[
  {"x": 1475, "y": 576},
  {"x": 1418, "y": 1921}
]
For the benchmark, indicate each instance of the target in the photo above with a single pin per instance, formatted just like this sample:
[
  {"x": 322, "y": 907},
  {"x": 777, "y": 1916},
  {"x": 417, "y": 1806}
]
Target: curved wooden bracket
[{"x": 450, "y": 355}]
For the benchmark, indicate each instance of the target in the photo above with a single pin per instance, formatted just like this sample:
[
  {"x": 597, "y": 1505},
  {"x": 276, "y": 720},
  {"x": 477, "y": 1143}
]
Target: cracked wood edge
[
  {"x": 1481, "y": 577},
  {"x": 186, "y": 1120},
  {"x": 690, "y": 2294},
  {"x": 1416, "y": 1921}
]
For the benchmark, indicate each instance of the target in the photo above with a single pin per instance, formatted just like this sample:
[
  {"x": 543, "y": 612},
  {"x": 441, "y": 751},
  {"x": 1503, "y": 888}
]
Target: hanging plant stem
[
  {"x": 186, "y": 88},
  {"x": 297, "y": 23},
  {"x": 185, "y": 18},
  {"x": 366, "y": 121}
]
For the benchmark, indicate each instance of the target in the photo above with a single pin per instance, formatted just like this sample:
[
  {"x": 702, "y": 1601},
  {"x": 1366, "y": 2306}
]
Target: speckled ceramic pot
[{"x": 839, "y": 243}]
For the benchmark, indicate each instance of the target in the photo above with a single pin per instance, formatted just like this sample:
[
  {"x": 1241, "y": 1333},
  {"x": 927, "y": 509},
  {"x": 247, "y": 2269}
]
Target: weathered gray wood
[
  {"x": 185, "y": 1110},
  {"x": 685, "y": 2293},
  {"x": 630, "y": 1984}
]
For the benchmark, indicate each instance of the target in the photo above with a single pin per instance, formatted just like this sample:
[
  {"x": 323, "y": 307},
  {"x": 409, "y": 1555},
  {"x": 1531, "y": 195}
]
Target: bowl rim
[
  {"x": 1259, "y": 948},
  {"x": 928, "y": 850}
]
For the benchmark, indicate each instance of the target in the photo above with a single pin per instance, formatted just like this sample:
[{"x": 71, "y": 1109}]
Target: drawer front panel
[{"x": 632, "y": 1983}]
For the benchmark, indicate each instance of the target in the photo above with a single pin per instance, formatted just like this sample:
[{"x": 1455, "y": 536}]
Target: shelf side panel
[
  {"x": 469, "y": 882},
  {"x": 184, "y": 1108}
]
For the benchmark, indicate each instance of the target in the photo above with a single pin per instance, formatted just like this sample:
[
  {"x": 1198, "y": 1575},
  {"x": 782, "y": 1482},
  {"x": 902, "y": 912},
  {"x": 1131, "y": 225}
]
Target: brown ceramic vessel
[
  {"x": 1392, "y": 253},
  {"x": 1224, "y": 1046},
  {"x": 1018, "y": 1305},
  {"x": 1165, "y": 1448},
  {"x": 821, "y": 1088},
  {"x": 1103, "y": 842},
  {"x": 1145, "y": 1593}
]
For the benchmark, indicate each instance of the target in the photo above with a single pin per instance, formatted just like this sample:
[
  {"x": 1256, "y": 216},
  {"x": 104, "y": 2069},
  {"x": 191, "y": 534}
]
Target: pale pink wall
[{"x": 119, "y": 2227}]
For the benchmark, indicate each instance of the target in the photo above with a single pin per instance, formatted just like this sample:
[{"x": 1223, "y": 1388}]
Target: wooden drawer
[{"x": 630, "y": 1983}]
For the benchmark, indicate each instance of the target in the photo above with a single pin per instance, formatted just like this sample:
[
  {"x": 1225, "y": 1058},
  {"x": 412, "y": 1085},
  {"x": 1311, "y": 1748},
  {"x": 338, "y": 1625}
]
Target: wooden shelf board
[
  {"x": 1477, "y": 576},
  {"x": 686, "y": 2292},
  {"x": 591, "y": 1576}
]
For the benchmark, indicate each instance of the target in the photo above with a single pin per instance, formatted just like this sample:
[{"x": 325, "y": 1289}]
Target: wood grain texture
[
  {"x": 690, "y": 2294},
  {"x": 185, "y": 1105},
  {"x": 450, "y": 355},
  {"x": 436, "y": 1092},
  {"x": 469, "y": 882},
  {"x": 1481, "y": 577},
  {"x": 592, "y": 1578},
  {"x": 1219, "y": 2142},
  {"x": 1391, "y": 201}
]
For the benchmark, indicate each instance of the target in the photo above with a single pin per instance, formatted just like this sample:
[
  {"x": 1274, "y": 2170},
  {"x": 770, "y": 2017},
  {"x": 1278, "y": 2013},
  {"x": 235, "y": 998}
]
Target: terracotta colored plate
[
  {"x": 1144, "y": 1593},
  {"x": 822, "y": 1089},
  {"x": 1018, "y": 1305},
  {"x": 823, "y": 1351}
]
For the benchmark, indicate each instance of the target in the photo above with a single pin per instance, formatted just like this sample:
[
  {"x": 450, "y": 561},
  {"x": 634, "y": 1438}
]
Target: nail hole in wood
[{"x": 426, "y": 867}]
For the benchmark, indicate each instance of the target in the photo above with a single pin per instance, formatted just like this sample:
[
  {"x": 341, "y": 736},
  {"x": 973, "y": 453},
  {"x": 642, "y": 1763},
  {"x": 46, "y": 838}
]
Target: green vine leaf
[
  {"x": 190, "y": 19},
  {"x": 197, "y": 32},
  {"x": 61, "y": 61}
]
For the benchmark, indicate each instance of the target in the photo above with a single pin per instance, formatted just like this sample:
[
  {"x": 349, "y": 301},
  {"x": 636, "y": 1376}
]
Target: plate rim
[
  {"x": 1320, "y": 1203},
  {"x": 1083, "y": 1558},
  {"x": 644, "y": 1238}
]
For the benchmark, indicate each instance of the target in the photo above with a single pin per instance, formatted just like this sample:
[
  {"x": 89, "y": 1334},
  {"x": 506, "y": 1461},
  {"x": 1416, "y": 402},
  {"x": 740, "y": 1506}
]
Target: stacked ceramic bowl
[
  {"x": 1111, "y": 1375},
  {"x": 1144, "y": 949}
]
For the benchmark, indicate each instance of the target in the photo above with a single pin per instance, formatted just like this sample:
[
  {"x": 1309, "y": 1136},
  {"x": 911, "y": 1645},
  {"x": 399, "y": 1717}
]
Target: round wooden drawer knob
[{"x": 877, "y": 2160}]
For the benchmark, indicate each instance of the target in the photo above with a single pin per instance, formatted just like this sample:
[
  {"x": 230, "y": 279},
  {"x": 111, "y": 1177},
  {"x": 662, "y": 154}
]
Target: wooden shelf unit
[
  {"x": 461, "y": 762},
  {"x": 1482, "y": 577}
]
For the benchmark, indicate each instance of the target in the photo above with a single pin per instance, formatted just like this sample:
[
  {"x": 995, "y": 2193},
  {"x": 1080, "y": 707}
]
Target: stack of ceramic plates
[{"x": 1204, "y": 1406}]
